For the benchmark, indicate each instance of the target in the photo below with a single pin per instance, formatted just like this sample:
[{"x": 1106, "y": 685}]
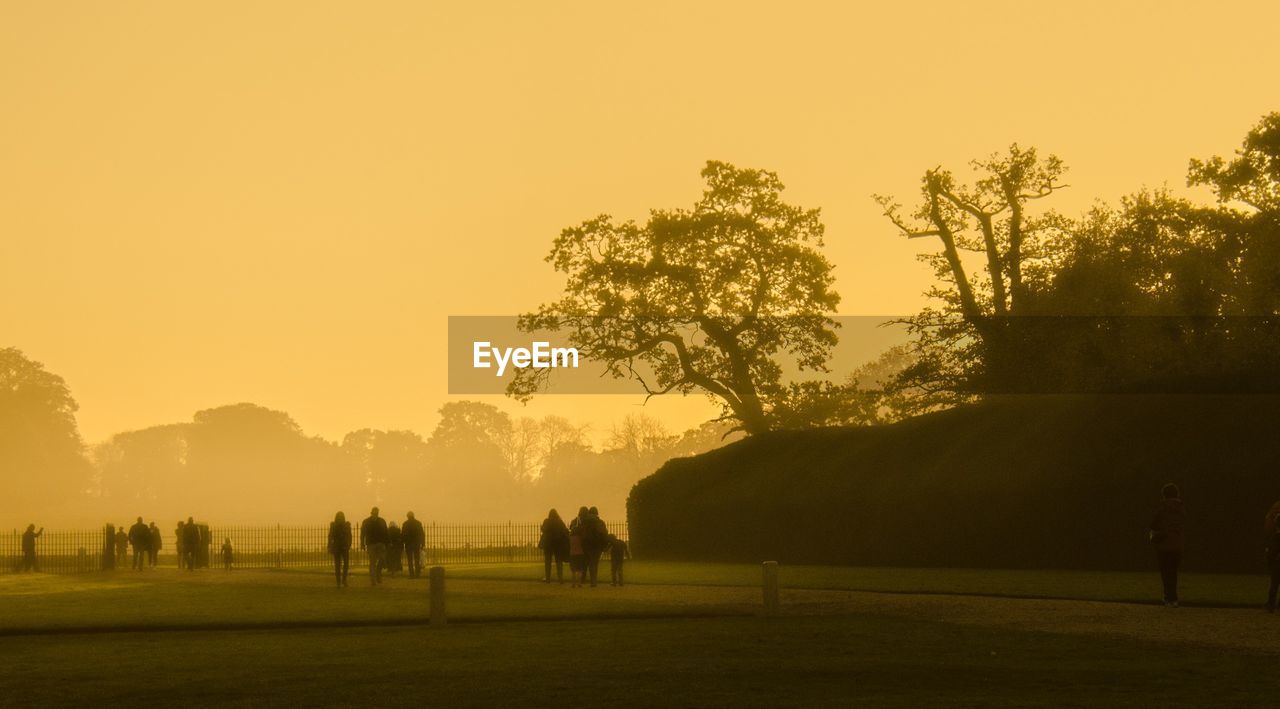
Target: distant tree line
[{"x": 479, "y": 463}]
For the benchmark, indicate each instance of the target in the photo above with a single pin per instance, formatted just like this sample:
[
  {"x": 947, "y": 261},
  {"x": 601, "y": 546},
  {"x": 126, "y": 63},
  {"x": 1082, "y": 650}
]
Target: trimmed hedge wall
[{"x": 1025, "y": 482}]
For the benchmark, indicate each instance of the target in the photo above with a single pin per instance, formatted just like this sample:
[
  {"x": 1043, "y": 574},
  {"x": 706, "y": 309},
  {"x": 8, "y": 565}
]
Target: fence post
[
  {"x": 436, "y": 575},
  {"x": 771, "y": 588}
]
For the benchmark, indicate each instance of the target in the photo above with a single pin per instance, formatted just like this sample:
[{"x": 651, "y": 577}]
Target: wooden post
[
  {"x": 437, "y": 595},
  {"x": 771, "y": 588}
]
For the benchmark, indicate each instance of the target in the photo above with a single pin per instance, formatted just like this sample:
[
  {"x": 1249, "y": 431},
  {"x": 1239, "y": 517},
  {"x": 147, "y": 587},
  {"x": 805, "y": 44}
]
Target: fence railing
[{"x": 279, "y": 546}]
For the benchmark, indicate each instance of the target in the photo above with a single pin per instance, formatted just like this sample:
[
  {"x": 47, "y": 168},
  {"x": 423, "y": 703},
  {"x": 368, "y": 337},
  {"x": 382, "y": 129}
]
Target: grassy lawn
[
  {"x": 205, "y": 598},
  {"x": 212, "y": 597},
  {"x": 809, "y": 661},
  {"x": 679, "y": 634}
]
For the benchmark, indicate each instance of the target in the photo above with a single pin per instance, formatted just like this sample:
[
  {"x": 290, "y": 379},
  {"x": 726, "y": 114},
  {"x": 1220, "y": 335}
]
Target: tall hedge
[{"x": 1027, "y": 482}]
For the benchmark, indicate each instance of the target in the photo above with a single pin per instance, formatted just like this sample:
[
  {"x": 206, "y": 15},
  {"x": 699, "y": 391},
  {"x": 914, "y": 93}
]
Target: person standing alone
[
  {"x": 1166, "y": 535},
  {"x": 190, "y": 543},
  {"x": 554, "y": 543},
  {"x": 373, "y": 539},
  {"x": 340, "y": 547},
  {"x": 414, "y": 536},
  {"x": 140, "y": 538},
  {"x": 157, "y": 542},
  {"x": 1273, "y": 566},
  {"x": 122, "y": 546},
  {"x": 29, "y": 537}
]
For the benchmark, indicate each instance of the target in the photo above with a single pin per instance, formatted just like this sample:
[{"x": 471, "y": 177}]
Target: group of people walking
[
  {"x": 383, "y": 543},
  {"x": 146, "y": 540},
  {"x": 581, "y": 542}
]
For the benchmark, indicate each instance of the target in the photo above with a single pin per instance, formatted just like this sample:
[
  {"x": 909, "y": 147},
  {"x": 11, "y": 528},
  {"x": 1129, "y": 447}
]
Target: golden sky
[{"x": 281, "y": 202}]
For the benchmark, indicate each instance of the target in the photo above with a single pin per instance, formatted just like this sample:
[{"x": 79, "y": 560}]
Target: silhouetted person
[
  {"x": 122, "y": 546},
  {"x": 204, "y": 547},
  {"x": 595, "y": 537},
  {"x": 181, "y": 542},
  {"x": 29, "y": 537},
  {"x": 140, "y": 538},
  {"x": 108, "y": 547},
  {"x": 373, "y": 538},
  {"x": 395, "y": 549},
  {"x": 157, "y": 542},
  {"x": 577, "y": 557},
  {"x": 414, "y": 536},
  {"x": 1273, "y": 565},
  {"x": 228, "y": 554},
  {"x": 340, "y": 547},
  {"x": 618, "y": 554},
  {"x": 190, "y": 543},
  {"x": 554, "y": 543},
  {"x": 1166, "y": 535}
]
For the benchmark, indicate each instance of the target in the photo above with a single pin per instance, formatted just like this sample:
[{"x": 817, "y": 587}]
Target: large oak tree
[{"x": 707, "y": 299}]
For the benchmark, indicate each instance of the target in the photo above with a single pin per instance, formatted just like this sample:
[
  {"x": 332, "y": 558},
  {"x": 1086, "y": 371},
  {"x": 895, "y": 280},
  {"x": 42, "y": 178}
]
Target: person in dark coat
[
  {"x": 1166, "y": 535},
  {"x": 577, "y": 558},
  {"x": 1273, "y": 566},
  {"x": 157, "y": 543},
  {"x": 414, "y": 536},
  {"x": 595, "y": 537},
  {"x": 554, "y": 543},
  {"x": 122, "y": 546},
  {"x": 373, "y": 538},
  {"x": 340, "y": 547},
  {"x": 395, "y": 549},
  {"x": 29, "y": 537},
  {"x": 180, "y": 539},
  {"x": 228, "y": 554},
  {"x": 190, "y": 543},
  {"x": 618, "y": 554},
  {"x": 140, "y": 538}
]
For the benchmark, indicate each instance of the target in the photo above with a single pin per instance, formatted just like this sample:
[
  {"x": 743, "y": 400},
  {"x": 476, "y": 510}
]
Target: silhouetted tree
[
  {"x": 143, "y": 465},
  {"x": 1251, "y": 179},
  {"x": 1158, "y": 293},
  {"x": 704, "y": 299},
  {"x": 41, "y": 454},
  {"x": 467, "y": 459},
  {"x": 388, "y": 460},
  {"x": 967, "y": 341},
  {"x": 242, "y": 455}
]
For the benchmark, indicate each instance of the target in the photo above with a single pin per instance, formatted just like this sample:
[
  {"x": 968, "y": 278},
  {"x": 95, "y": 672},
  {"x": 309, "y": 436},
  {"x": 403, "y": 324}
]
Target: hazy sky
[{"x": 280, "y": 202}]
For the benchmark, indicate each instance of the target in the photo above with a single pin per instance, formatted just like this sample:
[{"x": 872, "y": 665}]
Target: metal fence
[{"x": 280, "y": 547}]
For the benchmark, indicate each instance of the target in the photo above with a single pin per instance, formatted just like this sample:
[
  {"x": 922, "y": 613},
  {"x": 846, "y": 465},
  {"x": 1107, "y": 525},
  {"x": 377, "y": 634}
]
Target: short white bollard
[
  {"x": 771, "y": 588},
  {"x": 436, "y": 575}
]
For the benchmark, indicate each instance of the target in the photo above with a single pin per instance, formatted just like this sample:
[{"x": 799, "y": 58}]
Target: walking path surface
[
  {"x": 213, "y": 600},
  {"x": 1251, "y": 630}
]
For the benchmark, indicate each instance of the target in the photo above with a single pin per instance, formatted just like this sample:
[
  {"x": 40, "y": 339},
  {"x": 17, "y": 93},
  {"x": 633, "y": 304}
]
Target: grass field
[{"x": 679, "y": 634}]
